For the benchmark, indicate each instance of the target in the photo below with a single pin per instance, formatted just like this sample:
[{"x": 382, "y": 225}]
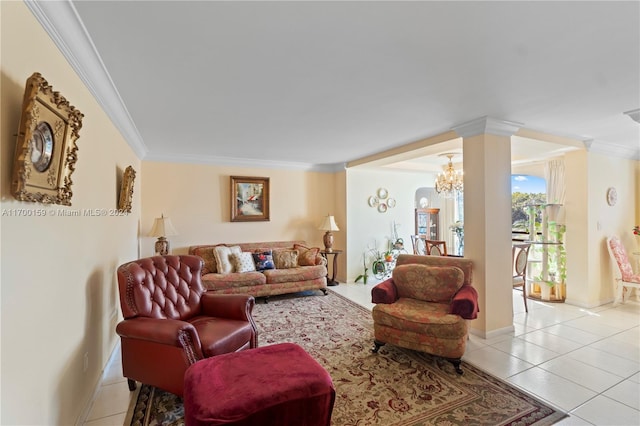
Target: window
[{"x": 525, "y": 190}]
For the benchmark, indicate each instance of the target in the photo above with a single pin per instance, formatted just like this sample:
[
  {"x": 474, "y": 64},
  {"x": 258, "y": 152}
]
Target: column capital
[
  {"x": 488, "y": 125},
  {"x": 634, "y": 114}
]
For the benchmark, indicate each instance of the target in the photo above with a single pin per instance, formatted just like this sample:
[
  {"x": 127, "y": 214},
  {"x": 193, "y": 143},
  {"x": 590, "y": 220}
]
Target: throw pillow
[
  {"x": 306, "y": 256},
  {"x": 208, "y": 255},
  {"x": 223, "y": 258},
  {"x": 264, "y": 260},
  {"x": 285, "y": 259},
  {"x": 243, "y": 262}
]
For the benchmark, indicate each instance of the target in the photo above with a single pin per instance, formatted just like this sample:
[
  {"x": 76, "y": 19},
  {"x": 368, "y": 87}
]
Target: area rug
[{"x": 393, "y": 387}]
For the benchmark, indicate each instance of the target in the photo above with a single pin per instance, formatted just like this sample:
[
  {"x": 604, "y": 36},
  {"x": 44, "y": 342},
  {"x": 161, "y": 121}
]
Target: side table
[{"x": 325, "y": 253}]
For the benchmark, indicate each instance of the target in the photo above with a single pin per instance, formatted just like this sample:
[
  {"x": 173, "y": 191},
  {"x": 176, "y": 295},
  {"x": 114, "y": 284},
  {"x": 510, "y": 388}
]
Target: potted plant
[{"x": 388, "y": 256}]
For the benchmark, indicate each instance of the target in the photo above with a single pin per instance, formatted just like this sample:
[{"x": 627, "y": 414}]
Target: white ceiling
[{"x": 313, "y": 84}]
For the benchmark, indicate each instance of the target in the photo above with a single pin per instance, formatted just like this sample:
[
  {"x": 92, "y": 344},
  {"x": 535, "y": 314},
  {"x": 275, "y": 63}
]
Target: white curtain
[
  {"x": 554, "y": 174},
  {"x": 447, "y": 213}
]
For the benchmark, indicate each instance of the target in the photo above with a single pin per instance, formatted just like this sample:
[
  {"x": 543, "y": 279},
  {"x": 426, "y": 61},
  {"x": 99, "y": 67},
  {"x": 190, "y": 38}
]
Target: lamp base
[
  {"x": 162, "y": 246},
  {"x": 328, "y": 241}
]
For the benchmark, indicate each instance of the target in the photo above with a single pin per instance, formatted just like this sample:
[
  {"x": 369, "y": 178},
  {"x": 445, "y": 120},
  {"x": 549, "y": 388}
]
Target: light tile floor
[{"x": 585, "y": 362}]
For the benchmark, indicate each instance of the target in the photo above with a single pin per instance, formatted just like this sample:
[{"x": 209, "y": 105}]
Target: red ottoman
[{"x": 275, "y": 385}]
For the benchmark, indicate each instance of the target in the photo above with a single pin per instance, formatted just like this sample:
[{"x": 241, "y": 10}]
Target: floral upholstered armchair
[{"x": 425, "y": 306}]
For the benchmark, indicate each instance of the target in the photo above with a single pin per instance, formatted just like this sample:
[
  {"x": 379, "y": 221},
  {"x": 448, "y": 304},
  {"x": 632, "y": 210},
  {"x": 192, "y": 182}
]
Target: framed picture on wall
[
  {"x": 126, "y": 190},
  {"x": 46, "y": 150},
  {"x": 249, "y": 199}
]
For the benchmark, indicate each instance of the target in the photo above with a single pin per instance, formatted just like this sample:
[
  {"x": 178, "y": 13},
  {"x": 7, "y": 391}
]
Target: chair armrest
[
  {"x": 162, "y": 331},
  {"x": 230, "y": 306},
  {"x": 385, "y": 292},
  {"x": 465, "y": 303}
]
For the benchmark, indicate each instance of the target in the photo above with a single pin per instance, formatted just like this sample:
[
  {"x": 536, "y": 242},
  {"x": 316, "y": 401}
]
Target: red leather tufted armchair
[{"x": 170, "y": 322}]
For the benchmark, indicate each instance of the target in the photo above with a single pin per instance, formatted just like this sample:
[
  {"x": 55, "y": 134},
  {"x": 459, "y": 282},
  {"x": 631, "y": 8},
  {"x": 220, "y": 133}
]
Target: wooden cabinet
[{"x": 427, "y": 223}]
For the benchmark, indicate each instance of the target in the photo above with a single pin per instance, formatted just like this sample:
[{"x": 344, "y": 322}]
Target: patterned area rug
[{"x": 392, "y": 388}]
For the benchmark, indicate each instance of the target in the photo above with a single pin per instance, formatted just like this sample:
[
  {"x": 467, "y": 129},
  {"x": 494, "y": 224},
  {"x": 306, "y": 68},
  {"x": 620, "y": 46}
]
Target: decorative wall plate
[
  {"x": 126, "y": 190},
  {"x": 382, "y": 193},
  {"x": 46, "y": 150},
  {"x": 382, "y": 208},
  {"x": 391, "y": 202},
  {"x": 612, "y": 196},
  {"x": 373, "y": 201}
]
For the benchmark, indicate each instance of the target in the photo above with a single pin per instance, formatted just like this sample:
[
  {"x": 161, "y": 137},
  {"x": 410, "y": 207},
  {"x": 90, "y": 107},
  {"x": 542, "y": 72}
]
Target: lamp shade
[
  {"x": 162, "y": 227},
  {"x": 328, "y": 224}
]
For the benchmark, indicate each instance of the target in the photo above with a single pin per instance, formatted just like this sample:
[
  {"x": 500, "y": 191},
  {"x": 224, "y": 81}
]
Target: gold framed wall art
[
  {"x": 46, "y": 150},
  {"x": 249, "y": 199},
  {"x": 126, "y": 190}
]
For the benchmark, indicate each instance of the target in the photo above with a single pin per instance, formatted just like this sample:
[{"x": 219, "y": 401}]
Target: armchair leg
[
  {"x": 377, "y": 345},
  {"x": 132, "y": 384},
  {"x": 456, "y": 364},
  {"x": 325, "y": 291}
]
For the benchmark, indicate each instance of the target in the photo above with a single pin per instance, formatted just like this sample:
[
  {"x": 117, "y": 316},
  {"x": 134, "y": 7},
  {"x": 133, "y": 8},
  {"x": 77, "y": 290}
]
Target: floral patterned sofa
[
  {"x": 425, "y": 306},
  {"x": 289, "y": 267}
]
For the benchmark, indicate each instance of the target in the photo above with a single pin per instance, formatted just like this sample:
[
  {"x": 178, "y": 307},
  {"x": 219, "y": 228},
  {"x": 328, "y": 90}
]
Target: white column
[{"x": 487, "y": 219}]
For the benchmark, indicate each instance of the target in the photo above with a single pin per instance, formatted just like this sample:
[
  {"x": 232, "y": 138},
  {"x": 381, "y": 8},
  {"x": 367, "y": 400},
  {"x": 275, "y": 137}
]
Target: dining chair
[
  {"x": 624, "y": 276},
  {"x": 419, "y": 245},
  {"x": 436, "y": 247},
  {"x": 519, "y": 258}
]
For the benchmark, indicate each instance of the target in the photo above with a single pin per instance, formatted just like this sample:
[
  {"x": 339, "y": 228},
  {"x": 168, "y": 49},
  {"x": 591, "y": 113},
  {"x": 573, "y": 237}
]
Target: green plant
[
  {"x": 557, "y": 253},
  {"x": 364, "y": 275}
]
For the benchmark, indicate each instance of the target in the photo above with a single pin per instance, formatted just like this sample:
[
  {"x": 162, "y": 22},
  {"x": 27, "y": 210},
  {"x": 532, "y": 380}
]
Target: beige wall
[
  {"x": 197, "y": 199},
  {"x": 590, "y": 220},
  {"x": 59, "y": 298}
]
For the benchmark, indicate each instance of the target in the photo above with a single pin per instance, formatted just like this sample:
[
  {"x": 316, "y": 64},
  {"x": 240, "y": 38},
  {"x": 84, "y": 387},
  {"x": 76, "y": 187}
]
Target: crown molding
[
  {"x": 486, "y": 125},
  {"x": 244, "y": 162},
  {"x": 612, "y": 150},
  {"x": 61, "y": 21}
]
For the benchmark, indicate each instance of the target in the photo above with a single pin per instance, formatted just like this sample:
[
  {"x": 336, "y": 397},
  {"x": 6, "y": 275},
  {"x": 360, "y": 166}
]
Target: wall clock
[
  {"x": 612, "y": 196},
  {"x": 46, "y": 150}
]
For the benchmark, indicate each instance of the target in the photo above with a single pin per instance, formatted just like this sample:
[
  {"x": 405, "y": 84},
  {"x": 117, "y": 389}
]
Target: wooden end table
[{"x": 325, "y": 253}]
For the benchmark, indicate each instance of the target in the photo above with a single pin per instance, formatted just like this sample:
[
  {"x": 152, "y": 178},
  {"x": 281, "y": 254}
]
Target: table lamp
[
  {"x": 329, "y": 225},
  {"x": 162, "y": 227}
]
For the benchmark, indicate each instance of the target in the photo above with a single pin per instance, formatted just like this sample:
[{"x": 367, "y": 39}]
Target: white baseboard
[
  {"x": 493, "y": 333},
  {"x": 82, "y": 419}
]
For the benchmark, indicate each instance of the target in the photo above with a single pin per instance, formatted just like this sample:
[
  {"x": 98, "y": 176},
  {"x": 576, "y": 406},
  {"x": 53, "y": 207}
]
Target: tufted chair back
[
  {"x": 171, "y": 322},
  {"x": 162, "y": 287}
]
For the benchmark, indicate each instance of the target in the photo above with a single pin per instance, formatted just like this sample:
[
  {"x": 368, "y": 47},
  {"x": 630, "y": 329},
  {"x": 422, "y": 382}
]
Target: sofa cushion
[
  {"x": 243, "y": 262},
  {"x": 233, "y": 280},
  {"x": 223, "y": 258},
  {"x": 301, "y": 273},
  {"x": 263, "y": 260},
  {"x": 285, "y": 258},
  {"x": 428, "y": 283},
  {"x": 420, "y": 319},
  {"x": 307, "y": 256}
]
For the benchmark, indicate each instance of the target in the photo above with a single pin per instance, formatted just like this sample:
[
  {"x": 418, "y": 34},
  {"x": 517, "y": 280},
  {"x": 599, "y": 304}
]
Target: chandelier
[{"x": 450, "y": 181}]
